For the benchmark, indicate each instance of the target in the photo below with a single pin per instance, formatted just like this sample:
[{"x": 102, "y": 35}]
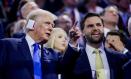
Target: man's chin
[
  {"x": 97, "y": 41},
  {"x": 44, "y": 40}
]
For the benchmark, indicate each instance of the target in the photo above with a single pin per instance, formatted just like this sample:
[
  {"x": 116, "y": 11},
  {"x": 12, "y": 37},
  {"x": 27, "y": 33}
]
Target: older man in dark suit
[{"x": 22, "y": 58}]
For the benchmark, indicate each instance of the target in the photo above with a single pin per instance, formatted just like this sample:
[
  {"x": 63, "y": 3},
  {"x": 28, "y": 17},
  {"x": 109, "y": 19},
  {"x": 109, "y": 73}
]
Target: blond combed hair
[{"x": 38, "y": 12}]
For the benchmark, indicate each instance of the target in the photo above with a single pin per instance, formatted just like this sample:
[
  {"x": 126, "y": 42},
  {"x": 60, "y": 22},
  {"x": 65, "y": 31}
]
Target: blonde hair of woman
[{"x": 58, "y": 40}]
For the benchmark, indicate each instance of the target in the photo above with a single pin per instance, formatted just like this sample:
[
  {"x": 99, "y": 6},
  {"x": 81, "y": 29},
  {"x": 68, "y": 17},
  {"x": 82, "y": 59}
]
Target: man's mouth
[{"x": 48, "y": 34}]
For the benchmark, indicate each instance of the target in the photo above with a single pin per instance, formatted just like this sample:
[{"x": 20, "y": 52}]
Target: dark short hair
[
  {"x": 117, "y": 33},
  {"x": 88, "y": 15}
]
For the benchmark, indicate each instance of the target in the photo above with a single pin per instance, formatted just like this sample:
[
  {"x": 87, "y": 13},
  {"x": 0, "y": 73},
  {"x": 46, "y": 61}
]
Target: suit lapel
[
  {"x": 110, "y": 59},
  {"x": 25, "y": 49},
  {"x": 26, "y": 55},
  {"x": 83, "y": 64}
]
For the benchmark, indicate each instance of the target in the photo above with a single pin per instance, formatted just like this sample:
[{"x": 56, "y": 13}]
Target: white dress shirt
[
  {"x": 91, "y": 57},
  {"x": 30, "y": 42}
]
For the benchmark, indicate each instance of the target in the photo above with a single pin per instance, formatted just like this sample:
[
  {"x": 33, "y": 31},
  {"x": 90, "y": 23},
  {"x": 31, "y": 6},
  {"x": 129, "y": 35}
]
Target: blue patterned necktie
[{"x": 37, "y": 62}]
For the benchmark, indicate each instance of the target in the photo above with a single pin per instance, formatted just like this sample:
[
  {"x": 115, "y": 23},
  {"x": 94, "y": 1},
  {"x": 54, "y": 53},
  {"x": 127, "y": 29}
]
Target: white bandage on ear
[{"x": 30, "y": 24}]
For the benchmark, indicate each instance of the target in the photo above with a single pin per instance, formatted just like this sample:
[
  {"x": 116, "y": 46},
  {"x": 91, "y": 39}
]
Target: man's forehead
[
  {"x": 111, "y": 9},
  {"x": 44, "y": 17},
  {"x": 93, "y": 20}
]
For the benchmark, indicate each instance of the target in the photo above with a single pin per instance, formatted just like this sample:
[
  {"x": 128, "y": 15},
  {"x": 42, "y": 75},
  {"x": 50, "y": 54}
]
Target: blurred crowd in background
[
  {"x": 86, "y": 25},
  {"x": 12, "y": 12}
]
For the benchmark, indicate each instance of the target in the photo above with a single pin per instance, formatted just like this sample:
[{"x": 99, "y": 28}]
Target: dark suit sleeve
[
  {"x": 69, "y": 59},
  {"x": 2, "y": 57},
  {"x": 127, "y": 70},
  {"x": 6, "y": 46},
  {"x": 128, "y": 54},
  {"x": 1, "y": 31}
]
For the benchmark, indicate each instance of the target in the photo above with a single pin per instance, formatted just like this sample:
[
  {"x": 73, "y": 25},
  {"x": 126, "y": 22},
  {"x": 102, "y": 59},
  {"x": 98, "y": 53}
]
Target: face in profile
[
  {"x": 60, "y": 41},
  {"x": 44, "y": 26},
  {"x": 111, "y": 15}
]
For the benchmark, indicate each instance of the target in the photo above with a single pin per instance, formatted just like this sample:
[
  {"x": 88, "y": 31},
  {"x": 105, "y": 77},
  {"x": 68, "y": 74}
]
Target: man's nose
[
  {"x": 114, "y": 13},
  {"x": 95, "y": 27},
  {"x": 50, "y": 28}
]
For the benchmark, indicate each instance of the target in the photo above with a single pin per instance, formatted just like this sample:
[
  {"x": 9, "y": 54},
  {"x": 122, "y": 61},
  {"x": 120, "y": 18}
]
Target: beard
[{"x": 91, "y": 39}]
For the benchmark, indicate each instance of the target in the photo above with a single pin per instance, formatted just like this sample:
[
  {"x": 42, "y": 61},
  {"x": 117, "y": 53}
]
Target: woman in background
[
  {"x": 56, "y": 46},
  {"x": 58, "y": 40}
]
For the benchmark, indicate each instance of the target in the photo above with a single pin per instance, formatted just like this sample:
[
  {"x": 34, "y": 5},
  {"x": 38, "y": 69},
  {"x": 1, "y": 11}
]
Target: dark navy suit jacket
[
  {"x": 1, "y": 31},
  {"x": 16, "y": 61},
  {"x": 127, "y": 70},
  {"x": 81, "y": 69}
]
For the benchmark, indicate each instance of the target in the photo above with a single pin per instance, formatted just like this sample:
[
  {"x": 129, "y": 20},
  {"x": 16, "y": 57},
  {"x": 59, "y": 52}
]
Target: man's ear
[{"x": 30, "y": 24}]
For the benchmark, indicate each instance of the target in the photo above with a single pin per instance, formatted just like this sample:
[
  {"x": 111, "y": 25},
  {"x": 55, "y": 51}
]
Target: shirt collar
[
  {"x": 30, "y": 41},
  {"x": 91, "y": 49}
]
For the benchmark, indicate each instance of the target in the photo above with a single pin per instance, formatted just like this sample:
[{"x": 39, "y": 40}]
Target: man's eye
[
  {"x": 59, "y": 36},
  {"x": 89, "y": 26},
  {"x": 98, "y": 24},
  {"x": 47, "y": 23}
]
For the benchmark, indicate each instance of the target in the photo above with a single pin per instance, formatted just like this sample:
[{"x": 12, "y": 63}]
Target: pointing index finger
[{"x": 74, "y": 25}]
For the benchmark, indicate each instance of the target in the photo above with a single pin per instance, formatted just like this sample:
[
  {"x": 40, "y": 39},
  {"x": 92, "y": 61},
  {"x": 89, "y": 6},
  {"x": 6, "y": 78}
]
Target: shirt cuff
[
  {"x": 74, "y": 47},
  {"x": 125, "y": 51}
]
